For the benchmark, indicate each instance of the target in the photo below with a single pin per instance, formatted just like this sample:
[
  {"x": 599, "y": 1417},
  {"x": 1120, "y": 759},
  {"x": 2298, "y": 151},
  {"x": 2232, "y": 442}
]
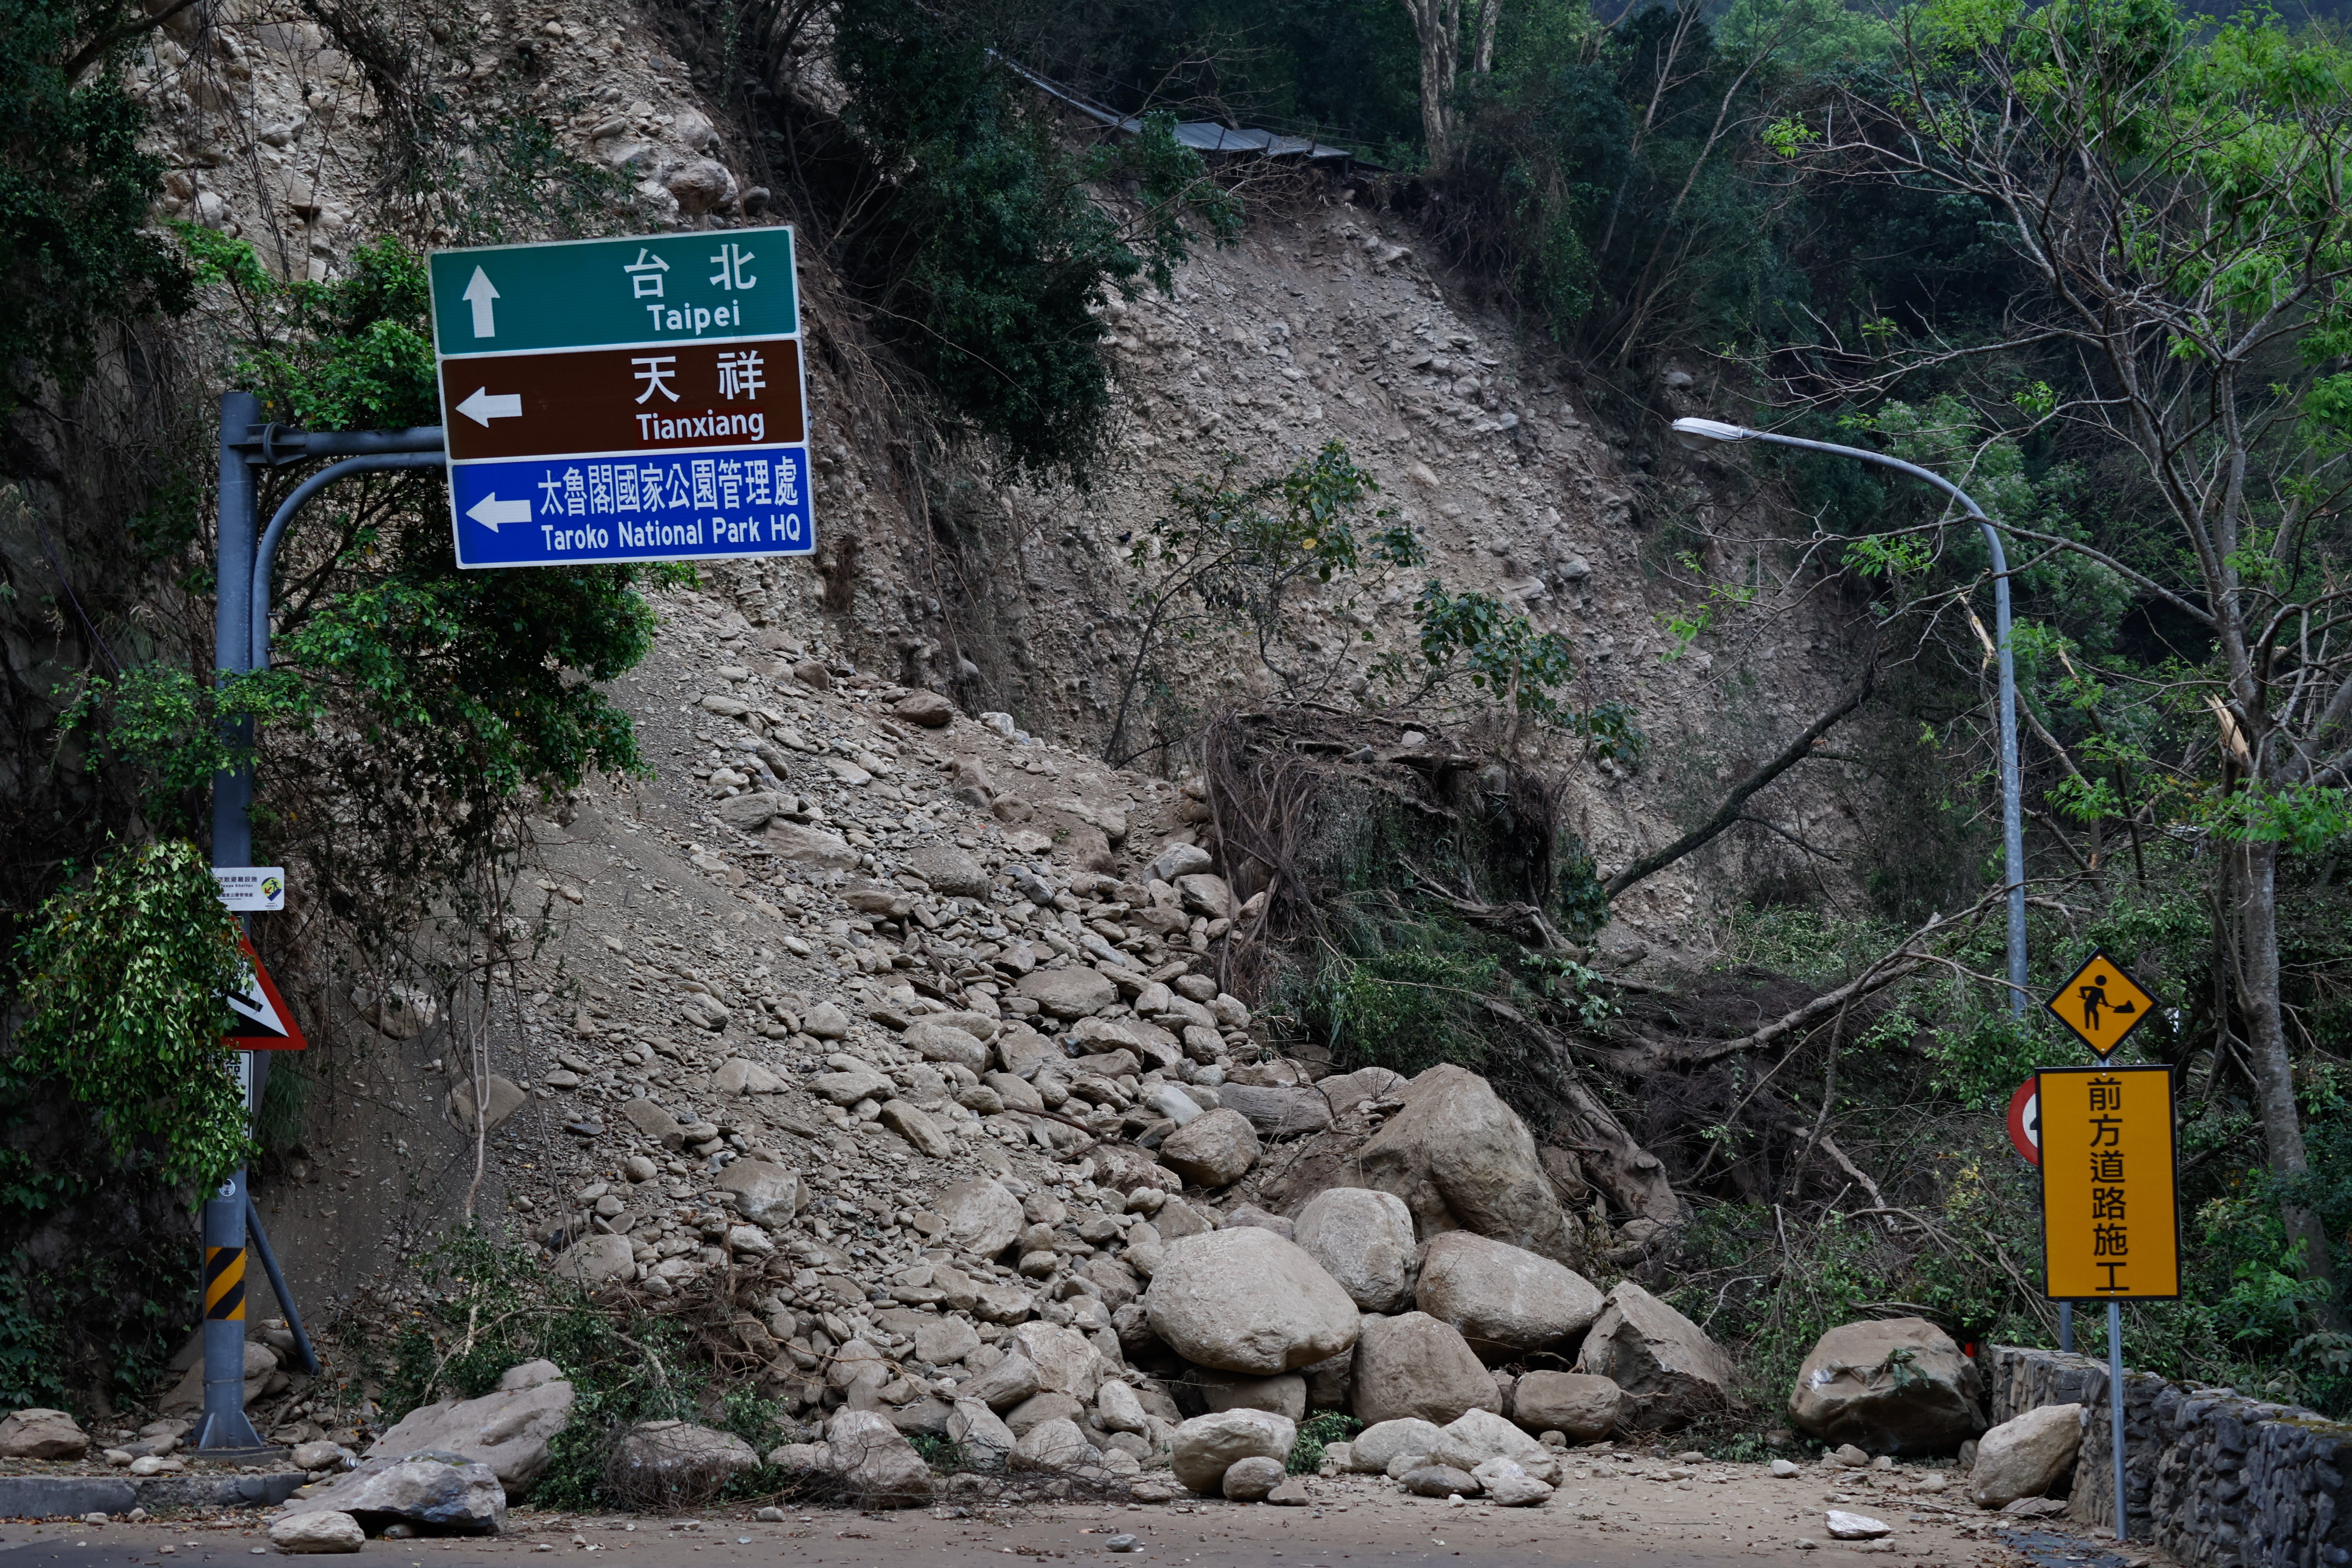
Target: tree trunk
[
  {"x": 1490, "y": 11},
  {"x": 1437, "y": 26},
  {"x": 2258, "y": 992}
]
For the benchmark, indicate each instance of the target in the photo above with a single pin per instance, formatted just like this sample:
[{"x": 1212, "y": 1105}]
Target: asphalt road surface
[{"x": 1614, "y": 1516}]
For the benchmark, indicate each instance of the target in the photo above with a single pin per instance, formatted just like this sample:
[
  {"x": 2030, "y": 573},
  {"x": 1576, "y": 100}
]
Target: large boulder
[
  {"x": 1284, "y": 1394},
  {"x": 1213, "y": 1149},
  {"x": 981, "y": 1217},
  {"x": 42, "y": 1434},
  {"x": 986, "y": 1440},
  {"x": 1439, "y": 1481},
  {"x": 876, "y": 1462},
  {"x": 1004, "y": 1385},
  {"x": 1417, "y": 1366},
  {"x": 927, "y": 708},
  {"x": 1377, "y": 1445},
  {"x": 1202, "y": 1449},
  {"x": 1251, "y": 1479},
  {"x": 434, "y": 1492},
  {"x": 594, "y": 1260},
  {"x": 1475, "y": 1437},
  {"x": 1363, "y": 1239},
  {"x": 1462, "y": 1160},
  {"x": 1067, "y": 993},
  {"x": 1898, "y": 1385},
  {"x": 1246, "y": 1301},
  {"x": 1067, "y": 1361},
  {"x": 1277, "y": 1112},
  {"x": 1506, "y": 1300},
  {"x": 300, "y": 1534},
  {"x": 2026, "y": 1455},
  {"x": 187, "y": 1396},
  {"x": 949, "y": 871},
  {"x": 810, "y": 847},
  {"x": 947, "y": 1043},
  {"x": 1045, "y": 1405},
  {"x": 1671, "y": 1372},
  {"x": 509, "y": 1429},
  {"x": 1054, "y": 1445},
  {"x": 1505, "y": 1483},
  {"x": 1580, "y": 1406},
  {"x": 674, "y": 1463},
  {"x": 765, "y": 1193}
]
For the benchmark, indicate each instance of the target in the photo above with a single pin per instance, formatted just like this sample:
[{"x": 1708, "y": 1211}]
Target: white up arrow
[
  {"x": 490, "y": 511},
  {"x": 478, "y": 294},
  {"x": 484, "y": 406}
]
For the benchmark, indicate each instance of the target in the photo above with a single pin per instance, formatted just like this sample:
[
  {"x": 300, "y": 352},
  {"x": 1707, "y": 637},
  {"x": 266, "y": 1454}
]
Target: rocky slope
[
  {"x": 1323, "y": 323},
  {"x": 862, "y": 979},
  {"x": 965, "y": 1102},
  {"x": 911, "y": 1036}
]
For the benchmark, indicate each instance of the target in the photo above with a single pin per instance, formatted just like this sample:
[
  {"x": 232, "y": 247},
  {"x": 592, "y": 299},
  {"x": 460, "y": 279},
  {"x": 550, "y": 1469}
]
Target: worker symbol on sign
[
  {"x": 2101, "y": 1003},
  {"x": 2095, "y": 996}
]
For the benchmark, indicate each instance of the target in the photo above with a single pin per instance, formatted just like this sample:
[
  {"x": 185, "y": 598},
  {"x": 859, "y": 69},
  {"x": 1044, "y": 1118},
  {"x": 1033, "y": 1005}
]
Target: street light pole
[
  {"x": 1694, "y": 433},
  {"x": 2013, "y": 805}
]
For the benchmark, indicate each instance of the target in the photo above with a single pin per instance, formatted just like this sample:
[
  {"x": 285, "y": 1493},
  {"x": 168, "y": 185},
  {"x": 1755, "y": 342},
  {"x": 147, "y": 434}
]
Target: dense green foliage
[
  {"x": 494, "y": 1308},
  {"x": 75, "y": 187},
  {"x": 116, "y": 1104},
  {"x": 989, "y": 253},
  {"x": 1317, "y": 1433},
  {"x": 121, "y": 981}
]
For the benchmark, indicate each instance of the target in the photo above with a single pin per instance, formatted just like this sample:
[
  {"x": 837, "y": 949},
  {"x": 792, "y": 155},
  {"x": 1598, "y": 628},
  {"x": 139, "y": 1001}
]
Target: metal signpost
[
  {"x": 614, "y": 400},
  {"x": 2110, "y": 1202},
  {"x": 624, "y": 399}
]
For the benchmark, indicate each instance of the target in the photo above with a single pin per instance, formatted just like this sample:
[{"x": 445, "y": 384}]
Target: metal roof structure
[{"x": 1205, "y": 136}]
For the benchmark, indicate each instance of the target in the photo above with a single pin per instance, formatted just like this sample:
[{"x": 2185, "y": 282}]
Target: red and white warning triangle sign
[{"x": 261, "y": 1020}]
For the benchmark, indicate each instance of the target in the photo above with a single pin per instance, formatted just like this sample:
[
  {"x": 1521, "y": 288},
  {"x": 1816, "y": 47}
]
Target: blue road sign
[{"x": 614, "y": 400}]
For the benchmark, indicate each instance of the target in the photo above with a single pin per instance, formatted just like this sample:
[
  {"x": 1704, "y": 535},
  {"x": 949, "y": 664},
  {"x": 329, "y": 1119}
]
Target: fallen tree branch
[
  {"x": 1820, "y": 1138},
  {"x": 1506, "y": 918},
  {"x": 1634, "y": 1179},
  {"x": 1734, "y": 803},
  {"x": 1888, "y": 969}
]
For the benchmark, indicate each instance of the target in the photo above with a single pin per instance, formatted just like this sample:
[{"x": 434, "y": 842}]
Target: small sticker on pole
[{"x": 252, "y": 890}]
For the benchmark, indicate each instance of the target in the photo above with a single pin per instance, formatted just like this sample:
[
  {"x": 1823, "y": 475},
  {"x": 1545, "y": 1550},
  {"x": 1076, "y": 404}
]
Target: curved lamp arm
[{"x": 1695, "y": 433}]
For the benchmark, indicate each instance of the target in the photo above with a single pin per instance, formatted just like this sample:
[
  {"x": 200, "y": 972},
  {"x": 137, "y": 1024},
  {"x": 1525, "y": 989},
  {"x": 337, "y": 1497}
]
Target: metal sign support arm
[{"x": 241, "y": 645}]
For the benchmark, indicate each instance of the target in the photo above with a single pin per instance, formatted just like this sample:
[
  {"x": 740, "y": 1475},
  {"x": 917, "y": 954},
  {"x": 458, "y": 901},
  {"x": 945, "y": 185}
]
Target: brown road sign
[
  {"x": 2110, "y": 1206},
  {"x": 2102, "y": 1005},
  {"x": 663, "y": 397}
]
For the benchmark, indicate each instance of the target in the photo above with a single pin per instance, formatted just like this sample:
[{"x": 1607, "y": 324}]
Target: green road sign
[
  {"x": 606, "y": 293},
  {"x": 639, "y": 399}
]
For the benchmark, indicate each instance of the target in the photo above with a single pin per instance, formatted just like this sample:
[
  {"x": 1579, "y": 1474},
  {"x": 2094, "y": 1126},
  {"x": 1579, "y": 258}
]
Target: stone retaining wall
[
  {"x": 69, "y": 1497},
  {"x": 2210, "y": 1476}
]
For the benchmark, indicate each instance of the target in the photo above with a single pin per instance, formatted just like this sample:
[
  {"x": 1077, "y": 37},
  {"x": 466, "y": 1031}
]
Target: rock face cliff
[{"x": 840, "y": 960}]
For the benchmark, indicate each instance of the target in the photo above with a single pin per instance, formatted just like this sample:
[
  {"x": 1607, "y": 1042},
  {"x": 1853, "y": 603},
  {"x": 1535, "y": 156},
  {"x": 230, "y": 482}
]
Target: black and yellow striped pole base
[
  {"x": 225, "y": 1283},
  {"x": 225, "y": 1427}
]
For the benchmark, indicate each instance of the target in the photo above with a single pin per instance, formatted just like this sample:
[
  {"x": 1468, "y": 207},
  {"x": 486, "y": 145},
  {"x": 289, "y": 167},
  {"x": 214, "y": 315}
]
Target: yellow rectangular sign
[{"x": 2110, "y": 1210}]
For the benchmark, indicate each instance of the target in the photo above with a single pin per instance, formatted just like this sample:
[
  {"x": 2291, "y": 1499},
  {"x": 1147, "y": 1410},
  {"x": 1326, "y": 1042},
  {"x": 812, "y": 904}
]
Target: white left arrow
[
  {"x": 490, "y": 511},
  {"x": 478, "y": 294},
  {"x": 485, "y": 406}
]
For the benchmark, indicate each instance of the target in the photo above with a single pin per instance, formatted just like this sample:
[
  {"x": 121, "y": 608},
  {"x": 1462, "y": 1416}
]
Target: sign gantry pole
[
  {"x": 224, "y": 1428},
  {"x": 604, "y": 401}
]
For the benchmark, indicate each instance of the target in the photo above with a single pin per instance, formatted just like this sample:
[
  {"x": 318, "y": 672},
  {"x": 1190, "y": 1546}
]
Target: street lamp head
[{"x": 1694, "y": 434}]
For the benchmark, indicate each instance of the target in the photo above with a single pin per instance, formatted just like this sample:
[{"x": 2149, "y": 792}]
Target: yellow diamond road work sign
[
  {"x": 2110, "y": 1212},
  {"x": 2102, "y": 1005}
]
